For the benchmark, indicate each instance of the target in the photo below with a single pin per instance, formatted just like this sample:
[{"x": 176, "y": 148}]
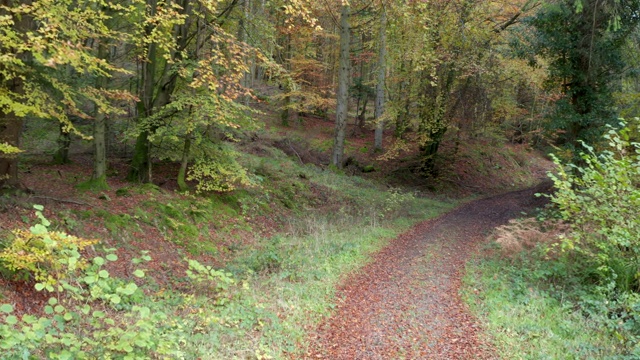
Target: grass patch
[
  {"x": 186, "y": 222},
  {"x": 529, "y": 316},
  {"x": 291, "y": 282}
]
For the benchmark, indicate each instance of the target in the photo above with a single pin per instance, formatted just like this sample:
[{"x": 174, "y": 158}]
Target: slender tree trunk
[
  {"x": 363, "y": 113},
  {"x": 99, "y": 177},
  {"x": 343, "y": 89},
  {"x": 404, "y": 87},
  {"x": 10, "y": 133},
  {"x": 285, "y": 114},
  {"x": 64, "y": 142},
  {"x": 382, "y": 67},
  {"x": 140, "y": 168},
  {"x": 11, "y": 125},
  {"x": 182, "y": 173},
  {"x": 242, "y": 37},
  {"x": 357, "y": 119}
]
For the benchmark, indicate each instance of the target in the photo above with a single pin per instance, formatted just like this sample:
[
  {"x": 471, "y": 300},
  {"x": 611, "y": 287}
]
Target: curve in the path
[{"x": 405, "y": 303}]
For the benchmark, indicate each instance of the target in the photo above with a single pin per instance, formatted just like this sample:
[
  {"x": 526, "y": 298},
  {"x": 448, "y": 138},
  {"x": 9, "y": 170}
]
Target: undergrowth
[
  {"x": 570, "y": 288},
  {"x": 260, "y": 305}
]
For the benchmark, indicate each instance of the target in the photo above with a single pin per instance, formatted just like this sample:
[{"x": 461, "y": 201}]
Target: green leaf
[
  {"x": 48, "y": 310},
  {"x": 58, "y": 308},
  {"x": 38, "y": 229},
  {"x": 38, "y": 207},
  {"x": 129, "y": 289},
  {"x": 144, "y": 312},
  {"x": 11, "y": 320},
  {"x": 6, "y": 308},
  {"x": 112, "y": 257},
  {"x": 68, "y": 316},
  {"x": 115, "y": 299},
  {"x": 138, "y": 273},
  {"x": 103, "y": 274},
  {"x": 65, "y": 355},
  {"x": 98, "y": 261}
]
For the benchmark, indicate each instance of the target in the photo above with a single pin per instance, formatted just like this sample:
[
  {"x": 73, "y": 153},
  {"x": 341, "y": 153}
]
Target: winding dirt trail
[{"x": 405, "y": 303}]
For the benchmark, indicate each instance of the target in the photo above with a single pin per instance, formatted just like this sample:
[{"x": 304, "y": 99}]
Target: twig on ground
[{"x": 295, "y": 152}]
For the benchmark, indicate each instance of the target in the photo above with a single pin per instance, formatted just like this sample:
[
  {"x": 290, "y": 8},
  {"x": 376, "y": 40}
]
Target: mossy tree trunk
[
  {"x": 182, "y": 173},
  {"x": 140, "y": 168},
  {"x": 156, "y": 92},
  {"x": 433, "y": 114}
]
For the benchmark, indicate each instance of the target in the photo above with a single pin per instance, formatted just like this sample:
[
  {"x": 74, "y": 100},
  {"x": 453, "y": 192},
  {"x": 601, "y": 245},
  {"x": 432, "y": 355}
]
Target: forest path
[{"x": 405, "y": 304}]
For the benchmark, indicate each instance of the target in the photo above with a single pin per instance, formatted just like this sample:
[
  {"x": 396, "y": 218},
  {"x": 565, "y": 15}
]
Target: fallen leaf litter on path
[{"x": 405, "y": 304}]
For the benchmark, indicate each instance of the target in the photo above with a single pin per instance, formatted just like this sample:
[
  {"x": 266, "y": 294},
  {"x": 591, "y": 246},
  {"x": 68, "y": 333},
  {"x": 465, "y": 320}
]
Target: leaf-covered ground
[{"x": 405, "y": 304}]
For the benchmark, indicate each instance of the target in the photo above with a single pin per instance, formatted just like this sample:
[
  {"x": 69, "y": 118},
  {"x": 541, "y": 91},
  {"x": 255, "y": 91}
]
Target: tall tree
[
  {"x": 12, "y": 87},
  {"x": 343, "y": 87},
  {"x": 583, "y": 40},
  {"x": 40, "y": 42},
  {"x": 380, "y": 85},
  {"x": 153, "y": 92}
]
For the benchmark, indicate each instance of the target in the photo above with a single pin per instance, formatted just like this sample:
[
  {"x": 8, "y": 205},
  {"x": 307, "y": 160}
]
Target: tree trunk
[
  {"x": 285, "y": 114},
  {"x": 402, "y": 122},
  {"x": 343, "y": 89},
  {"x": 10, "y": 133},
  {"x": 382, "y": 52},
  {"x": 242, "y": 37},
  {"x": 99, "y": 176},
  {"x": 363, "y": 113},
  {"x": 64, "y": 142},
  {"x": 429, "y": 152},
  {"x": 433, "y": 114},
  {"x": 182, "y": 173},
  {"x": 11, "y": 125},
  {"x": 140, "y": 168}
]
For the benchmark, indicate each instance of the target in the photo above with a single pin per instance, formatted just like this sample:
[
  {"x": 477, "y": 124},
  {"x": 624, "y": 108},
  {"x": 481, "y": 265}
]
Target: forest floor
[
  {"x": 405, "y": 304},
  {"x": 296, "y": 237}
]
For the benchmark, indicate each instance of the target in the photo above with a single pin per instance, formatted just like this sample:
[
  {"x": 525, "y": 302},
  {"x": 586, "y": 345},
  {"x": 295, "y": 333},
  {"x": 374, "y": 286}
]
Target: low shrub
[
  {"x": 601, "y": 201},
  {"x": 90, "y": 315}
]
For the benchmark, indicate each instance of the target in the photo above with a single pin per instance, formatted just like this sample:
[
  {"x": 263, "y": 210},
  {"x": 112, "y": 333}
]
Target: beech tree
[
  {"x": 40, "y": 42},
  {"x": 343, "y": 86}
]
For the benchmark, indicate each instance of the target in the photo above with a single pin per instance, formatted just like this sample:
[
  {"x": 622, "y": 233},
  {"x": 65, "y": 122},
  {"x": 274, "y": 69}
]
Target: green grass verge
[
  {"x": 528, "y": 316},
  {"x": 291, "y": 284}
]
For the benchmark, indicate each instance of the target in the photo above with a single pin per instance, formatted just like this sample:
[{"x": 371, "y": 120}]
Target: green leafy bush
[
  {"x": 601, "y": 201},
  {"x": 92, "y": 314},
  {"x": 42, "y": 254},
  {"x": 208, "y": 278}
]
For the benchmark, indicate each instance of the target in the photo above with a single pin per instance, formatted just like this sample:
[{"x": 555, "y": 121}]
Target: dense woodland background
[{"x": 244, "y": 117}]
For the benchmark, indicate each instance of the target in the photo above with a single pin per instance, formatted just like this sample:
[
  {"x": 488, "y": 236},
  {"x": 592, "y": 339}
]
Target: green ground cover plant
[
  {"x": 575, "y": 294},
  {"x": 260, "y": 305}
]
